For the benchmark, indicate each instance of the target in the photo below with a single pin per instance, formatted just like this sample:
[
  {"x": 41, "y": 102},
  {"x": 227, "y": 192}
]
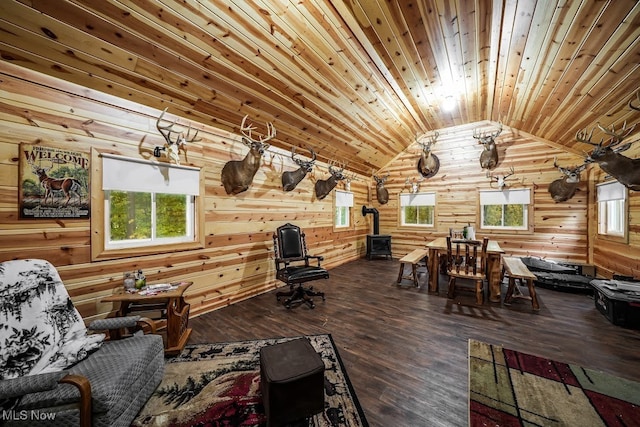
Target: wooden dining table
[{"x": 494, "y": 269}]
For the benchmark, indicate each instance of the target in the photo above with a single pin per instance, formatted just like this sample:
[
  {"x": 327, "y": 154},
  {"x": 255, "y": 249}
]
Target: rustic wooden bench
[
  {"x": 414, "y": 258},
  {"x": 516, "y": 270}
]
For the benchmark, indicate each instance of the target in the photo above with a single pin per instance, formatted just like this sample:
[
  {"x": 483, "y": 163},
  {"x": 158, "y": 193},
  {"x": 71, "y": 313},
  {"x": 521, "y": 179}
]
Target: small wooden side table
[{"x": 174, "y": 312}]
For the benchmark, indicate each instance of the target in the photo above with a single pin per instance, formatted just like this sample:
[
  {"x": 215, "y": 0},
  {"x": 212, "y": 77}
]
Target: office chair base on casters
[{"x": 299, "y": 295}]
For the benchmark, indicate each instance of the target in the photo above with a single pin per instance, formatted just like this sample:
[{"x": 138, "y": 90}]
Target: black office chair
[{"x": 293, "y": 266}]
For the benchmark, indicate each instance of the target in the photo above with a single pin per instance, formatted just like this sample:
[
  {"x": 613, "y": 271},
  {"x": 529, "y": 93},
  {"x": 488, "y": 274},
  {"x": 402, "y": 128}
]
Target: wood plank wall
[
  {"x": 616, "y": 256},
  {"x": 237, "y": 261},
  {"x": 558, "y": 229}
]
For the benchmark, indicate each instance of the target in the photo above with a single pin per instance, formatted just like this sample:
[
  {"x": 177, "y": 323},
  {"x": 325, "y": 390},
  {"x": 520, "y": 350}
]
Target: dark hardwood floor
[{"x": 405, "y": 350}]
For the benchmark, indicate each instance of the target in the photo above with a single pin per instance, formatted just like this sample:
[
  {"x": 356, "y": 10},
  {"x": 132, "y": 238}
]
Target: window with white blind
[
  {"x": 505, "y": 209},
  {"x": 612, "y": 200},
  {"x": 147, "y": 205},
  {"x": 343, "y": 204},
  {"x": 417, "y": 209}
]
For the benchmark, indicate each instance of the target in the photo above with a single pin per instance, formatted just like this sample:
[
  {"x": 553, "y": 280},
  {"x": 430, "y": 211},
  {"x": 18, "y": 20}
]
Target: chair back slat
[{"x": 469, "y": 256}]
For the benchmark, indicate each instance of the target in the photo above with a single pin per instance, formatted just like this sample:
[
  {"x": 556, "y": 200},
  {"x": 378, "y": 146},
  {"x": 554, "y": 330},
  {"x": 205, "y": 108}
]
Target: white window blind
[
  {"x": 418, "y": 199},
  {"x": 344, "y": 199},
  {"x": 506, "y": 197},
  {"x": 134, "y": 175},
  {"x": 610, "y": 191}
]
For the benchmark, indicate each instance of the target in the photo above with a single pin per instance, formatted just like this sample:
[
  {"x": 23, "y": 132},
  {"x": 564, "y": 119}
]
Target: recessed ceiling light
[{"x": 448, "y": 104}]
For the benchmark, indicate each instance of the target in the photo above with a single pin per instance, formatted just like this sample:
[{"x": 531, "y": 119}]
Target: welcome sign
[{"x": 53, "y": 183}]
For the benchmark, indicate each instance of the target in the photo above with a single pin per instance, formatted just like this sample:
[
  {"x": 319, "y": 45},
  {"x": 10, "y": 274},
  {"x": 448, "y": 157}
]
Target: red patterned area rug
[
  {"x": 509, "y": 388},
  {"x": 219, "y": 385}
]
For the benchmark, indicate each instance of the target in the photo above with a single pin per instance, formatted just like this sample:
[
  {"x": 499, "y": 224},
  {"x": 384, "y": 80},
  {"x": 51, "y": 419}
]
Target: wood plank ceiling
[{"x": 356, "y": 80}]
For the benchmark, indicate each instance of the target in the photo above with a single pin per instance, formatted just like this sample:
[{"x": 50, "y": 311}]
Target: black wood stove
[{"x": 377, "y": 244}]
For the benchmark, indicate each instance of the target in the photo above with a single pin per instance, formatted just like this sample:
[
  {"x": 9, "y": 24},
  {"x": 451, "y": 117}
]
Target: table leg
[
  {"x": 401, "y": 273},
  {"x": 532, "y": 294},
  {"x": 493, "y": 267},
  {"x": 177, "y": 321},
  {"x": 434, "y": 270},
  {"x": 510, "y": 289}
]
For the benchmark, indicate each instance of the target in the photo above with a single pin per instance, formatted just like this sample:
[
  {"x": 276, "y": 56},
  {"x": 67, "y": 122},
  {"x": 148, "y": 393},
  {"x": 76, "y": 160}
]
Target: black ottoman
[{"x": 292, "y": 381}]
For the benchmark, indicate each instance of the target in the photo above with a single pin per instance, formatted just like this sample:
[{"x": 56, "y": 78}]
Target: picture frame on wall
[{"x": 53, "y": 183}]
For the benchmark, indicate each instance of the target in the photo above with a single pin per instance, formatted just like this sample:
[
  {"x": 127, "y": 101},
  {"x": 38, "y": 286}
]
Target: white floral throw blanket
[{"x": 40, "y": 329}]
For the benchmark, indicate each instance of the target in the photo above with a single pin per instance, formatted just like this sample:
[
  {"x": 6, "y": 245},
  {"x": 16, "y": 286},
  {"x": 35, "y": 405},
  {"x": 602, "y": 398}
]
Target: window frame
[
  {"x": 518, "y": 194},
  {"x": 345, "y": 202},
  {"x": 421, "y": 194},
  {"x": 101, "y": 250},
  {"x": 623, "y": 215},
  {"x": 190, "y": 220}
]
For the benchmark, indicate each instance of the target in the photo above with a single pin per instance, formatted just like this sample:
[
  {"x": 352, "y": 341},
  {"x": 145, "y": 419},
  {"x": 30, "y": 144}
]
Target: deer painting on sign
[
  {"x": 291, "y": 179},
  {"x": 173, "y": 146},
  {"x": 489, "y": 156},
  {"x": 563, "y": 189},
  {"x": 428, "y": 164},
  {"x": 324, "y": 186},
  {"x": 382, "y": 194},
  {"x": 68, "y": 186},
  {"x": 237, "y": 175}
]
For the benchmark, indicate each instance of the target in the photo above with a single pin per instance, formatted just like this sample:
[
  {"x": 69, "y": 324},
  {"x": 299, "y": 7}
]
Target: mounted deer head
[
  {"x": 382, "y": 194},
  {"x": 608, "y": 157},
  {"x": 501, "y": 180},
  {"x": 173, "y": 146},
  {"x": 291, "y": 179},
  {"x": 414, "y": 184},
  {"x": 237, "y": 175},
  {"x": 489, "y": 156},
  {"x": 324, "y": 186},
  {"x": 428, "y": 164},
  {"x": 564, "y": 188},
  {"x": 347, "y": 181}
]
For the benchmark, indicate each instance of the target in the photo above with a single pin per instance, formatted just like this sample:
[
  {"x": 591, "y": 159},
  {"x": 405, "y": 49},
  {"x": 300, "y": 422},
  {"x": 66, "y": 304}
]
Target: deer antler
[
  {"x": 585, "y": 136},
  {"x": 486, "y": 136},
  {"x": 430, "y": 140},
  {"x": 246, "y": 130},
  {"x": 167, "y": 130},
  {"x": 617, "y": 138},
  {"x": 302, "y": 162},
  {"x": 381, "y": 180},
  {"x": 511, "y": 172}
]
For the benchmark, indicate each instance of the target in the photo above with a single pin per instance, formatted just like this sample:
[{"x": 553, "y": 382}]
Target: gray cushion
[{"x": 111, "y": 370}]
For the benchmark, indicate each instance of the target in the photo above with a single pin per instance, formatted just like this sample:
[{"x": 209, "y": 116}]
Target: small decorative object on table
[
  {"x": 141, "y": 280},
  {"x": 129, "y": 281}
]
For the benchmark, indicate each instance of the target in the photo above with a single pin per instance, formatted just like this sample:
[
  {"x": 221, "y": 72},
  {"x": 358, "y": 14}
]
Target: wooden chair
[
  {"x": 455, "y": 235},
  {"x": 467, "y": 259},
  {"x": 294, "y": 268}
]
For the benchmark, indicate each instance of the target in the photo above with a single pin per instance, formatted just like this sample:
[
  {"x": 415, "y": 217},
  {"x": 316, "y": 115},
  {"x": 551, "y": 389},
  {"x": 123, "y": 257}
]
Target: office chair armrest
[{"x": 316, "y": 257}]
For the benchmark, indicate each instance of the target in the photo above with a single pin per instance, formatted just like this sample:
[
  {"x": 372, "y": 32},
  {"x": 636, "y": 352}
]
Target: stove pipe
[{"x": 376, "y": 219}]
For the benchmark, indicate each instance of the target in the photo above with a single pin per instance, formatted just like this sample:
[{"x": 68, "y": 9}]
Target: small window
[
  {"x": 142, "y": 219},
  {"x": 506, "y": 209},
  {"x": 343, "y": 204},
  {"x": 148, "y": 207},
  {"x": 417, "y": 209},
  {"x": 612, "y": 200}
]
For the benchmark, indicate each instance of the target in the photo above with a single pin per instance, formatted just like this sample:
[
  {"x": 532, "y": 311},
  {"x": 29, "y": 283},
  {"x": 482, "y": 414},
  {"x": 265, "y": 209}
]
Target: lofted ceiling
[{"x": 356, "y": 80}]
